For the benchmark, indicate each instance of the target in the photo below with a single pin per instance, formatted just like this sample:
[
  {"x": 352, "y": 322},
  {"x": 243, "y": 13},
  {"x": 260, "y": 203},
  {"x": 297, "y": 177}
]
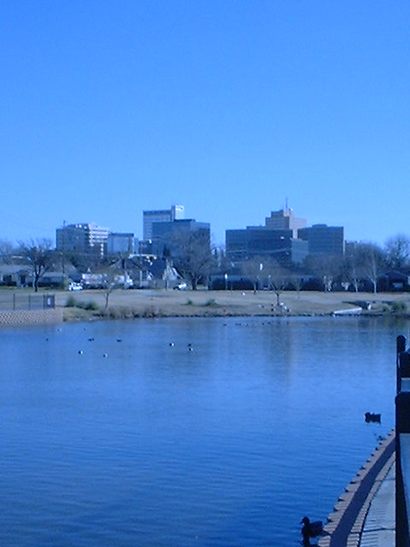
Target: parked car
[
  {"x": 75, "y": 286},
  {"x": 181, "y": 287}
]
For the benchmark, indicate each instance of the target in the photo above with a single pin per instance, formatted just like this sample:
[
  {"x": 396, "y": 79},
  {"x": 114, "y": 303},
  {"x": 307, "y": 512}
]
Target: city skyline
[
  {"x": 51, "y": 234},
  {"x": 225, "y": 107}
]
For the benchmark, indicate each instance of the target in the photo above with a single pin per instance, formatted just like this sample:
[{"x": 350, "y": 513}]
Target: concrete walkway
[
  {"x": 364, "y": 515},
  {"x": 379, "y": 525}
]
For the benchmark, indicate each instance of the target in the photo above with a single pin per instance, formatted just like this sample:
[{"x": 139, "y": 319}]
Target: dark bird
[
  {"x": 371, "y": 417},
  {"x": 310, "y": 530}
]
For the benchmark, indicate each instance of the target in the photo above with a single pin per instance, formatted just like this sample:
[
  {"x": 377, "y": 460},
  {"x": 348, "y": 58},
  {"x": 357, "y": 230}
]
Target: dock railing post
[
  {"x": 400, "y": 348},
  {"x": 402, "y": 429}
]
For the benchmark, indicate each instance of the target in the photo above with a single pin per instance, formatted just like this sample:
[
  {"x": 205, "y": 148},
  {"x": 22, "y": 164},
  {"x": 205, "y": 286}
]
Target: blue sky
[{"x": 228, "y": 107}]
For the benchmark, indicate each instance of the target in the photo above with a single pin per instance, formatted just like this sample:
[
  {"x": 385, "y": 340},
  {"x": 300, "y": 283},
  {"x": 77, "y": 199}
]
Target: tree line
[
  {"x": 193, "y": 257},
  {"x": 362, "y": 265}
]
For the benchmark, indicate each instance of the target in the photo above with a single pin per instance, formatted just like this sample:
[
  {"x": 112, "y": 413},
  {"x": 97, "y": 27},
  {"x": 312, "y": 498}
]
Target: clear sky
[{"x": 110, "y": 107}]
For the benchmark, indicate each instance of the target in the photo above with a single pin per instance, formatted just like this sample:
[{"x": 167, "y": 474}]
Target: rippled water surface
[{"x": 112, "y": 436}]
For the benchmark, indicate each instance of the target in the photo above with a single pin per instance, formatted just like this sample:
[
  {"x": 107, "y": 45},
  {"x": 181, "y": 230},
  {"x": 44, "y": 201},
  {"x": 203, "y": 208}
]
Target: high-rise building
[
  {"x": 323, "y": 239},
  {"x": 277, "y": 240},
  {"x": 176, "y": 212},
  {"x": 170, "y": 237},
  {"x": 285, "y": 219},
  {"x": 121, "y": 243},
  {"x": 82, "y": 238},
  {"x": 255, "y": 241}
]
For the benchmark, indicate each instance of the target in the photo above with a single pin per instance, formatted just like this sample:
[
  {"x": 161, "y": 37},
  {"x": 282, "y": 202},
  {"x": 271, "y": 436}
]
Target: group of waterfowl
[
  {"x": 80, "y": 352},
  {"x": 105, "y": 355},
  {"x": 189, "y": 346}
]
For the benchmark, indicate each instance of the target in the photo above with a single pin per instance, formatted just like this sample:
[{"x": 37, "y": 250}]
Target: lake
[{"x": 187, "y": 432}]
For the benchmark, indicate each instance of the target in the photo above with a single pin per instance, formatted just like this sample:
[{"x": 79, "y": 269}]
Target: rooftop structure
[{"x": 285, "y": 219}]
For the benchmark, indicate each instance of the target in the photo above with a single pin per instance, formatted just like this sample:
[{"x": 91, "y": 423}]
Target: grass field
[{"x": 169, "y": 303}]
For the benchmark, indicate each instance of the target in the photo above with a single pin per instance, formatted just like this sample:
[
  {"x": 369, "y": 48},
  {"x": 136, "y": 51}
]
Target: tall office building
[
  {"x": 323, "y": 239},
  {"x": 285, "y": 219},
  {"x": 176, "y": 212},
  {"x": 121, "y": 243},
  {"x": 258, "y": 241},
  {"x": 278, "y": 239},
  {"x": 171, "y": 235},
  {"x": 82, "y": 238}
]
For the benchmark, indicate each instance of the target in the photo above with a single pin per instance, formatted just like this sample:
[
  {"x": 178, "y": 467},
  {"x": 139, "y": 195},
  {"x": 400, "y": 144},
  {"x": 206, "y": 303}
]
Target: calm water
[{"x": 155, "y": 445}]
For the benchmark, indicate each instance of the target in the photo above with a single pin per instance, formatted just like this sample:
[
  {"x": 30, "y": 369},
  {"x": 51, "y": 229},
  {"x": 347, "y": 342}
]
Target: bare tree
[
  {"x": 278, "y": 277},
  {"x": 352, "y": 267},
  {"x": 82, "y": 261},
  {"x": 113, "y": 274},
  {"x": 192, "y": 257},
  {"x": 39, "y": 254},
  {"x": 222, "y": 262},
  {"x": 253, "y": 269},
  {"x": 325, "y": 267},
  {"x": 6, "y": 251},
  {"x": 372, "y": 262},
  {"x": 138, "y": 268},
  {"x": 110, "y": 283},
  {"x": 397, "y": 249}
]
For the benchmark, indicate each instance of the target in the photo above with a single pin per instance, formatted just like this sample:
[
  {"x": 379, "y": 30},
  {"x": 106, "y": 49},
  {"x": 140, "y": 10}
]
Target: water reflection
[{"x": 154, "y": 444}]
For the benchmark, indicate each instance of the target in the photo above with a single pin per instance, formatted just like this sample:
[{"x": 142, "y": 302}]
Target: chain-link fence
[{"x": 24, "y": 301}]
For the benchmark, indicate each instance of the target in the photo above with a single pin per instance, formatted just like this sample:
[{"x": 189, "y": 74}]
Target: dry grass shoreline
[{"x": 87, "y": 305}]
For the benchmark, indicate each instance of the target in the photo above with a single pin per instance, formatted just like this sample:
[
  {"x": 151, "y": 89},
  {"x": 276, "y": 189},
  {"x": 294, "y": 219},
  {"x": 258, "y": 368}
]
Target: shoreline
[
  {"x": 90, "y": 305},
  {"x": 123, "y": 304}
]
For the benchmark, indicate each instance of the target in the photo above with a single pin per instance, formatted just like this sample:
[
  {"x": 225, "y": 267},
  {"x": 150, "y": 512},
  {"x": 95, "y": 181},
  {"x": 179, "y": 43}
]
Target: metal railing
[
  {"x": 402, "y": 443},
  {"x": 23, "y": 301}
]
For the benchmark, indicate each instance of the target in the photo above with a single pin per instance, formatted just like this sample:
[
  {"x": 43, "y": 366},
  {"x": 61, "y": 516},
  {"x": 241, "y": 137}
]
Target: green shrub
[
  {"x": 189, "y": 302},
  {"x": 399, "y": 307},
  {"x": 211, "y": 302},
  {"x": 149, "y": 312},
  {"x": 89, "y": 306},
  {"x": 71, "y": 302},
  {"x": 92, "y": 306},
  {"x": 113, "y": 313}
]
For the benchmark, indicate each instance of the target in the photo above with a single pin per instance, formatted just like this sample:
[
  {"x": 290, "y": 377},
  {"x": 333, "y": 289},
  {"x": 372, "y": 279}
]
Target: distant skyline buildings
[
  {"x": 20, "y": 231},
  {"x": 285, "y": 236},
  {"x": 82, "y": 238},
  {"x": 253, "y": 242},
  {"x": 285, "y": 219},
  {"x": 121, "y": 243},
  {"x": 323, "y": 239},
  {"x": 168, "y": 236},
  {"x": 223, "y": 108},
  {"x": 176, "y": 212}
]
